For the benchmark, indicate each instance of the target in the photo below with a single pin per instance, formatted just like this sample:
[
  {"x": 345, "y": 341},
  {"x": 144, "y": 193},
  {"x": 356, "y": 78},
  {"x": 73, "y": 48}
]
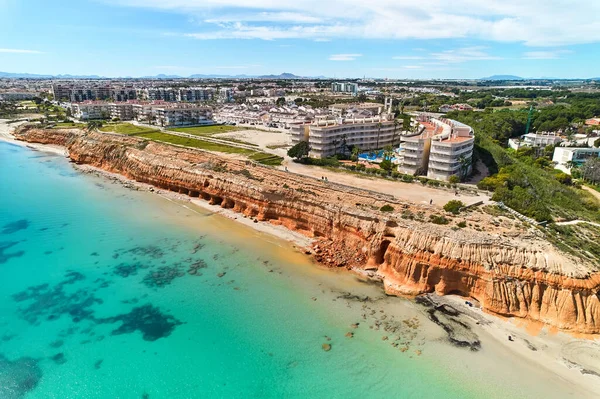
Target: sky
[{"x": 416, "y": 39}]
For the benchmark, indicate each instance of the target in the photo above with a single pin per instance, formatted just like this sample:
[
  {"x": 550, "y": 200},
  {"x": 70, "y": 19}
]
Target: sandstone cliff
[{"x": 524, "y": 277}]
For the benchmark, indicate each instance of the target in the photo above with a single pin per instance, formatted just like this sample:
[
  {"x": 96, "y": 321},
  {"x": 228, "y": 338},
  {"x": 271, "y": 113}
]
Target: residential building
[
  {"x": 345, "y": 87},
  {"x": 16, "y": 95},
  {"x": 122, "y": 111},
  {"x": 343, "y": 109},
  {"x": 329, "y": 135},
  {"x": 593, "y": 122},
  {"x": 161, "y": 94},
  {"x": 455, "y": 107},
  {"x": 438, "y": 148},
  {"x": 91, "y": 110},
  {"x": 567, "y": 157},
  {"x": 181, "y": 116},
  {"x": 535, "y": 140},
  {"x": 197, "y": 94}
]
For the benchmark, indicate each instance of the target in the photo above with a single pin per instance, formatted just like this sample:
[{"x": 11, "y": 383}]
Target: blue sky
[{"x": 349, "y": 38}]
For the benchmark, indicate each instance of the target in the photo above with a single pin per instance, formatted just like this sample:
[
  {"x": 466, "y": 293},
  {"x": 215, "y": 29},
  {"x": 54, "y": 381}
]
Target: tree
[
  {"x": 300, "y": 150},
  {"x": 454, "y": 206},
  {"x": 590, "y": 170},
  {"x": 93, "y": 125},
  {"x": 386, "y": 164},
  {"x": 378, "y": 133},
  {"x": 355, "y": 153},
  {"x": 465, "y": 165},
  {"x": 280, "y": 101},
  {"x": 396, "y": 123}
]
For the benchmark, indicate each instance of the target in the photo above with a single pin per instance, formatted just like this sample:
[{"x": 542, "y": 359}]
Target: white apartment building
[
  {"x": 197, "y": 94},
  {"x": 329, "y": 135},
  {"x": 345, "y": 87},
  {"x": 122, "y": 111},
  {"x": 181, "y": 116},
  {"x": 566, "y": 157},
  {"x": 535, "y": 140},
  {"x": 439, "y": 148},
  {"x": 91, "y": 110},
  {"x": 15, "y": 96}
]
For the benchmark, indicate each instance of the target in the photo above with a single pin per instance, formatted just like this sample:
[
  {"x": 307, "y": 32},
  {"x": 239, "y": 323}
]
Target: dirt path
[{"x": 413, "y": 192}]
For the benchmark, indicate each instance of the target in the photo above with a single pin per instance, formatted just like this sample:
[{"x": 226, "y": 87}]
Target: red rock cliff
[{"x": 524, "y": 277}]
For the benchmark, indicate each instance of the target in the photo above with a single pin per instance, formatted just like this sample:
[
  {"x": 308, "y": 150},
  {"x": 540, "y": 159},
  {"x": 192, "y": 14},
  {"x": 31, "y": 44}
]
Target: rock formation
[{"x": 524, "y": 276}]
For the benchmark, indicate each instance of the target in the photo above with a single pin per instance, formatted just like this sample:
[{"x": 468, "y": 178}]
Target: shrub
[
  {"x": 454, "y": 206},
  {"x": 437, "y": 219},
  {"x": 423, "y": 180},
  {"x": 462, "y": 224},
  {"x": 454, "y": 179},
  {"x": 387, "y": 208},
  {"x": 408, "y": 178}
]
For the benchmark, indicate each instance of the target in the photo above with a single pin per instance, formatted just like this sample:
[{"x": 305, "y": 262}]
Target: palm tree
[
  {"x": 93, "y": 125},
  {"x": 355, "y": 153},
  {"x": 571, "y": 164},
  {"x": 465, "y": 163},
  {"x": 396, "y": 123}
]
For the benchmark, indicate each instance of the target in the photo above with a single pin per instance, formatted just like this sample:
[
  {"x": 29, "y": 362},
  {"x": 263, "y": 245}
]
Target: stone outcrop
[{"x": 512, "y": 274}]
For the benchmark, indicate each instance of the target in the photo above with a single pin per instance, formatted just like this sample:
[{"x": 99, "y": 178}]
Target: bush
[
  {"x": 387, "y": 208},
  {"x": 454, "y": 206},
  {"x": 423, "y": 180},
  {"x": 454, "y": 179},
  {"x": 408, "y": 178},
  {"x": 299, "y": 151},
  {"x": 462, "y": 224},
  {"x": 386, "y": 164},
  {"x": 437, "y": 219}
]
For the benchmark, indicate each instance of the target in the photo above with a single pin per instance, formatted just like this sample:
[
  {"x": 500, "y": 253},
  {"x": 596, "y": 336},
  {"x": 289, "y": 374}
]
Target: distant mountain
[
  {"x": 285, "y": 75},
  {"x": 503, "y": 77}
]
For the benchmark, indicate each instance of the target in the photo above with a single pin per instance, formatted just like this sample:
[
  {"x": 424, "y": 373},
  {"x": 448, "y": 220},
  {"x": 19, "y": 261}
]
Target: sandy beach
[{"x": 575, "y": 361}]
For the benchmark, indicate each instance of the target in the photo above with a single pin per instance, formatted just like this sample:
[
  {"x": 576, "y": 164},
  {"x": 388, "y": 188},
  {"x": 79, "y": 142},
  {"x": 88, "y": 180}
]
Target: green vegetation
[
  {"x": 194, "y": 143},
  {"x": 206, "y": 130},
  {"x": 68, "y": 125},
  {"x": 127, "y": 128},
  {"x": 462, "y": 224},
  {"x": 454, "y": 206},
  {"x": 299, "y": 151},
  {"x": 523, "y": 180},
  {"x": 438, "y": 219},
  {"x": 387, "y": 208},
  {"x": 266, "y": 159}
]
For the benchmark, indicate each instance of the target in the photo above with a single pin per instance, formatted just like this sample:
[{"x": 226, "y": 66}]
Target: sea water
[{"x": 108, "y": 292}]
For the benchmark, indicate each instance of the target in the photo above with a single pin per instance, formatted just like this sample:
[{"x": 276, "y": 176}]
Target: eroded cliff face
[{"x": 524, "y": 277}]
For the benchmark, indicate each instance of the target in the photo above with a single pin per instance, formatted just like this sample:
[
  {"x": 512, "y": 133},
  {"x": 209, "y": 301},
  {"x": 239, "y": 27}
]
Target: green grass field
[
  {"x": 266, "y": 159},
  {"x": 127, "y": 128},
  {"x": 206, "y": 130},
  {"x": 69, "y": 125},
  {"x": 156, "y": 135}
]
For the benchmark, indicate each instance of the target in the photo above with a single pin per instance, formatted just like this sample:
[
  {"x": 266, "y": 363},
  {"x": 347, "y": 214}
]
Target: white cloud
[
  {"x": 407, "y": 57},
  {"x": 19, "y": 51},
  {"x": 534, "y": 23},
  {"x": 545, "y": 55},
  {"x": 344, "y": 57},
  {"x": 464, "y": 54}
]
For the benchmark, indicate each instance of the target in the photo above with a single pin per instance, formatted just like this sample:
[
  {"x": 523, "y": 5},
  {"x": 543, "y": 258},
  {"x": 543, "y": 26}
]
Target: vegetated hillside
[{"x": 526, "y": 183}]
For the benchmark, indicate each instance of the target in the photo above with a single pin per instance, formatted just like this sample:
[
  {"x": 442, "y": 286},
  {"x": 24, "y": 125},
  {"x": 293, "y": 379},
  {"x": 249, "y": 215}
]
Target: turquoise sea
[{"x": 107, "y": 292}]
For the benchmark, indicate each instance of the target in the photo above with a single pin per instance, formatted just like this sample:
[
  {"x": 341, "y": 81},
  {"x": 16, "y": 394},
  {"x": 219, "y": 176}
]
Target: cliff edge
[{"x": 509, "y": 269}]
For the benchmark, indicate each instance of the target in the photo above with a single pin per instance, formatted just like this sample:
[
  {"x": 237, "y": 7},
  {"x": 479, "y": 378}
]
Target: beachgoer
[{"x": 430, "y": 201}]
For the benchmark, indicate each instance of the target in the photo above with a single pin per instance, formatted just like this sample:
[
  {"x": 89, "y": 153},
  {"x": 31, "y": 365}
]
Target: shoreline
[{"x": 569, "y": 365}]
